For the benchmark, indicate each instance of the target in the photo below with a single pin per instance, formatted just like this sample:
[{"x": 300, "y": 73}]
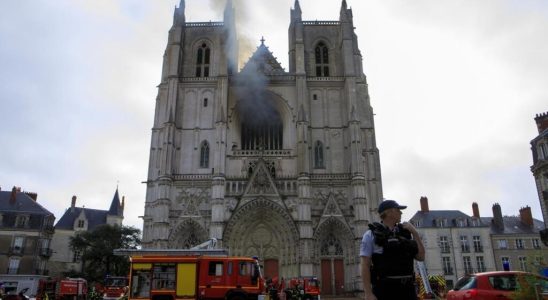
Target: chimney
[
  {"x": 73, "y": 203},
  {"x": 33, "y": 196},
  {"x": 497, "y": 216},
  {"x": 526, "y": 216},
  {"x": 13, "y": 196},
  {"x": 424, "y": 204},
  {"x": 542, "y": 121},
  {"x": 475, "y": 210}
]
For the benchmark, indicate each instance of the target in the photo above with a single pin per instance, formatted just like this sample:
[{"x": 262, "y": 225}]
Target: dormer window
[
  {"x": 322, "y": 60},
  {"x": 80, "y": 224},
  {"x": 21, "y": 221},
  {"x": 202, "y": 61}
]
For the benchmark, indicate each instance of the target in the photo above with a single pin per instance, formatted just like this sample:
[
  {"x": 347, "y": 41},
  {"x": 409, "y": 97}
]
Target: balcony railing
[
  {"x": 445, "y": 250},
  {"x": 468, "y": 270},
  {"x": 16, "y": 250},
  {"x": 478, "y": 249},
  {"x": 46, "y": 252}
]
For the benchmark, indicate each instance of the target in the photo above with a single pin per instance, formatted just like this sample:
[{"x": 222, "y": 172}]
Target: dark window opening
[
  {"x": 265, "y": 136},
  {"x": 205, "y": 102},
  {"x": 204, "y": 155},
  {"x": 318, "y": 155},
  {"x": 321, "y": 55},
  {"x": 202, "y": 61}
]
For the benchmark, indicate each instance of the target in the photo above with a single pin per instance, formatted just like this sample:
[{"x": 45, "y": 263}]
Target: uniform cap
[{"x": 386, "y": 204}]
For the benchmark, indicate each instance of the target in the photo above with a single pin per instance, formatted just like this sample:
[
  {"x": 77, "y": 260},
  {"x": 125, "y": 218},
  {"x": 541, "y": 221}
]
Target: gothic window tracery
[
  {"x": 321, "y": 55},
  {"x": 318, "y": 155},
  {"x": 331, "y": 246},
  {"x": 202, "y": 61},
  {"x": 262, "y": 134},
  {"x": 204, "y": 155}
]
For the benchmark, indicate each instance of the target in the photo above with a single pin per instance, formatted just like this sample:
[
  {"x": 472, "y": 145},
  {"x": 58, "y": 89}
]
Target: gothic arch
[
  {"x": 274, "y": 102},
  {"x": 331, "y": 234},
  {"x": 187, "y": 234},
  {"x": 265, "y": 229}
]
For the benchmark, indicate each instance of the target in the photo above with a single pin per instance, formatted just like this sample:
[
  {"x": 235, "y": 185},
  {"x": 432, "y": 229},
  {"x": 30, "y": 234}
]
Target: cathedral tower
[{"x": 274, "y": 163}]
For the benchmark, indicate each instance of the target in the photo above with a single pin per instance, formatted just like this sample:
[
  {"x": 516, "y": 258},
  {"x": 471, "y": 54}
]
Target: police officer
[{"x": 387, "y": 252}]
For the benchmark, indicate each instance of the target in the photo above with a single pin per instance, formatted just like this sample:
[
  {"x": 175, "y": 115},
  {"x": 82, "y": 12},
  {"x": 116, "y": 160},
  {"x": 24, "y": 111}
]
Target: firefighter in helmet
[{"x": 388, "y": 250}]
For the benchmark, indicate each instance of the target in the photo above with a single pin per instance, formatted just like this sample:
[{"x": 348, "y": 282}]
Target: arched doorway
[
  {"x": 334, "y": 248},
  {"x": 263, "y": 228},
  {"x": 188, "y": 234}
]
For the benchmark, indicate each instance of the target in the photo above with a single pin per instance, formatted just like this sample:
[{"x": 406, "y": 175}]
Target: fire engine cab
[{"x": 191, "y": 274}]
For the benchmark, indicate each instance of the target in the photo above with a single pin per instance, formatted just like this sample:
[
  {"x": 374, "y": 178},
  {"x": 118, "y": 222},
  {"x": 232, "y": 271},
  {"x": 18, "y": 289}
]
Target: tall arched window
[
  {"x": 204, "y": 155},
  {"x": 322, "y": 60},
  {"x": 202, "y": 61},
  {"x": 318, "y": 155}
]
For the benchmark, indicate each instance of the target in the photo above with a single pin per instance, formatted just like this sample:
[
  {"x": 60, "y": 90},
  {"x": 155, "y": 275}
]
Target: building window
[
  {"x": 261, "y": 130},
  {"x": 444, "y": 244},
  {"x": 467, "y": 265},
  {"x": 480, "y": 263},
  {"x": 464, "y": 246},
  {"x": 475, "y": 222},
  {"x": 21, "y": 221},
  {"x": 81, "y": 224},
  {"x": 477, "y": 244},
  {"x": 442, "y": 222},
  {"x": 204, "y": 155},
  {"x": 523, "y": 263},
  {"x": 77, "y": 256},
  {"x": 318, "y": 155},
  {"x": 13, "y": 266},
  {"x": 205, "y": 102},
  {"x": 322, "y": 60},
  {"x": 18, "y": 244},
  {"x": 542, "y": 151},
  {"x": 202, "y": 61},
  {"x": 519, "y": 244},
  {"x": 505, "y": 261},
  {"x": 503, "y": 244},
  {"x": 536, "y": 243},
  {"x": 215, "y": 268},
  {"x": 447, "y": 269},
  {"x": 461, "y": 223}
]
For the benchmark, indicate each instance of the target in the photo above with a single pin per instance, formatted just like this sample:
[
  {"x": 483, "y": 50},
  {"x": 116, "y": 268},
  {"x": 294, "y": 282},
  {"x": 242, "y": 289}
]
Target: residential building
[
  {"x": 516, "y": 240},
  {"x": 274, "y": 163},
  {"x": 539, "y": 148},
  {"x": 26, "y": 230},
  {"x": 75, "y": 220},
  {"x": 456, "y": 244}
]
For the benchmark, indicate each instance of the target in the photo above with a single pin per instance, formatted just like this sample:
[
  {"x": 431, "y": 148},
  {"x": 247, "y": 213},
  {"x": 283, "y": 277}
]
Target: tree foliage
[{"x": 96, "y": 248}]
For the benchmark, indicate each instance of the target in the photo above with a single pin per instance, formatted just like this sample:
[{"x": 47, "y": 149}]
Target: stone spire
[
  {"x": 296, "y": 13},
  {"x": 179, "y": 14}
]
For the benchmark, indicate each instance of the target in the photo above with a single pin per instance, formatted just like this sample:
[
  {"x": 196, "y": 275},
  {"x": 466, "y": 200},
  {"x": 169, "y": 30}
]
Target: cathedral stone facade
[{"x": 277, "y": 164}]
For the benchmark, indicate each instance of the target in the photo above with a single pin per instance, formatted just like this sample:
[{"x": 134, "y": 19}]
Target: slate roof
[
  {"x": 428, "y": 219},
  {"x": 95, "y": 217},
  {"x": 513, "y": 225},
  {"x": 23, "y": 204}
]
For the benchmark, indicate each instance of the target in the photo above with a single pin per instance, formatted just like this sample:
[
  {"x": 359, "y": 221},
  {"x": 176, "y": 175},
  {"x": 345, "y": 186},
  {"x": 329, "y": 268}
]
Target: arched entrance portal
[
  {"x": 334, "y": 249},
  {"x": 263, "y": 228}
]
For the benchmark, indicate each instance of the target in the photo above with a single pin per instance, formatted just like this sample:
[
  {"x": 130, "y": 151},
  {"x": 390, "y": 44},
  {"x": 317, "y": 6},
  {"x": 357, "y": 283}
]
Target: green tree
[{"x": 97, "y": 247}]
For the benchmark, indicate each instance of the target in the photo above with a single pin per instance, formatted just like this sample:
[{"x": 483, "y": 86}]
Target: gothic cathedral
[{"x": 277, "y": 164}]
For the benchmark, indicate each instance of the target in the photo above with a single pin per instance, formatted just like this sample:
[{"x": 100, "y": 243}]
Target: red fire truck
[
  {"x": 66, "y": 288},
  {"x": 114, "y": 287},
  {"x": 192, "y": 274},
  {"x": 307, "y": 288}
]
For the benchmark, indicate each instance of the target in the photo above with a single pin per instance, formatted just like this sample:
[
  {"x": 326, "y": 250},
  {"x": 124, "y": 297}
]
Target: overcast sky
[{"x": 455, "y": 86}]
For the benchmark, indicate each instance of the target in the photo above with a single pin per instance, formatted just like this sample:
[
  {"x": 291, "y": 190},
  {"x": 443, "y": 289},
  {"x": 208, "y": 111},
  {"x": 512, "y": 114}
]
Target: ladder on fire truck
[{"x": 205, "y": 248}]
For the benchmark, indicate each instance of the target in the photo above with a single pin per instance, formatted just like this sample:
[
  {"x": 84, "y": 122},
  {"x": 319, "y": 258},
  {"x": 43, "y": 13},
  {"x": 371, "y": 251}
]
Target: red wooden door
[
  {"x": 339, "y": 276},
  {"x": 270, "y": 268},
  {"x": 326, "y": 277}
]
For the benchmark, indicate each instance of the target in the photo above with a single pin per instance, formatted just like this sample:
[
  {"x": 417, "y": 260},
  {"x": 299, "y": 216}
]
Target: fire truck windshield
[{"x": 116, "y": 281}]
